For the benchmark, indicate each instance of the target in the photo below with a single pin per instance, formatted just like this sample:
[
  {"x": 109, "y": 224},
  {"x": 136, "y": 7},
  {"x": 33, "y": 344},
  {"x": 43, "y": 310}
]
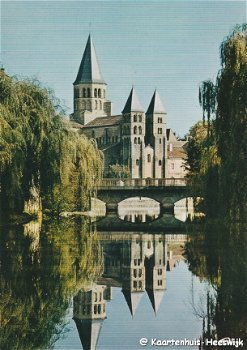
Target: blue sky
[{"x": 168, "y": 45}]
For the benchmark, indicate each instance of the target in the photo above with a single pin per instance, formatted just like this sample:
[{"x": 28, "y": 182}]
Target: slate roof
[
  {"x": 155, "y": 105},
  {"x": 104, "y": 121},
  {"x": 133, "y": 103},
  {"x": 89, "y": 70}
]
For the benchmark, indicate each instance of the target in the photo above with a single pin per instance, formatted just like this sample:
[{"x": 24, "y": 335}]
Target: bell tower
[
  {"x": 90, "y": 88},
  {"x": 133, "y": 131},
  {"x": 156, "y": 134}
]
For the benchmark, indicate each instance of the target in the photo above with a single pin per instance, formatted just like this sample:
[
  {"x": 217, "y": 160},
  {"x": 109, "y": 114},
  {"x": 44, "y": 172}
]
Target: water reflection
[
  {"x": 219, "y": 255},
  {"x": 135, "y": 262},
  {"x": 44, "y": 268},
  {"x": 138, "y": 209},
  {"x": 40, "y": 270}
]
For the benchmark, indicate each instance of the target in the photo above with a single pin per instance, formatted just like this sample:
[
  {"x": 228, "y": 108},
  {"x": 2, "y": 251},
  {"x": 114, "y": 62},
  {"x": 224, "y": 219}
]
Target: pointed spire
[
  {"x": 155, "y": 105},
  {"x": 132, "y": 104},
  {"x": 89, "y": 71},
  {"x": 89, "y": 331},
  {"x": 132, "y": 299},
  {"x": 155, "y": 296}
]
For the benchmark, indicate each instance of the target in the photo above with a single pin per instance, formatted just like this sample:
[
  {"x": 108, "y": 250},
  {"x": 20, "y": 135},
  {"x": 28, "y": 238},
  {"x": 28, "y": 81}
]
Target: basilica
[{"x": 139, "y": 141}]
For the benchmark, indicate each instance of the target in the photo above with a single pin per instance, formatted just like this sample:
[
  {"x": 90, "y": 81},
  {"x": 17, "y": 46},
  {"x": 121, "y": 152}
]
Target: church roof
[
  {"x": 177, "y": 152},
  {"x": 132, "y": 299},
  {"x": 105, "y": 121},
  {"x": 155, "y": 105},
  {"x": 89, "y": 71},
  {"x": 155, "y": 296},
  {"x": 132, "y": 104},
  {"x": 89, "y": 331}
]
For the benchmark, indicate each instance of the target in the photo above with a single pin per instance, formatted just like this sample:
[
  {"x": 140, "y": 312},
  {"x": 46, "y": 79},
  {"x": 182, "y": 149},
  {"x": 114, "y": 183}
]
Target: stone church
[{"x": 137, "y": 140}]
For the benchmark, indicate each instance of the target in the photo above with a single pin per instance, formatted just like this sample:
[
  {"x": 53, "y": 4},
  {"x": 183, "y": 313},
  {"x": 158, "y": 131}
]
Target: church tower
[
  {"x": 133, "y": 131},
  {"x": 156, "y": 134},
  {"x": 90, "y": 89}
]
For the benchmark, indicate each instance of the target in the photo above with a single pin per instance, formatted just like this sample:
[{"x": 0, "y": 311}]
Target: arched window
[
  {"x": 160, "y": 141},
  {"x": 140, "y": 118},
  {"x": 103, "y": 93},
  {"x": 99, "y": 93},
  {"x": 95, "y": 309},
  {"x": 135, "y": 118},
  {"x": 160, "y": 131},
  {"x": 100, "y": 105},
  {"x": 88, "y": 92},
  {"x": 139, "y": 140},
  {"x": 84, "y": 92},
  {"x": 140, "y": 130},
  {"x": 95, "y": 92},
  {"x": 83, "y": 105},
  {"x": 159, "y": 120},
  {"x": 88, "y": 105},
  {"x": 135, "y": 129},
  {"x": 95, "y": 297},
  {"x": 135, "y": 140},
  {"x": 149, "y": 158},
  {"x": 96, "y": 104},
  {"x": 137, "y": 162},
  {"x": 93, "y": 134}
]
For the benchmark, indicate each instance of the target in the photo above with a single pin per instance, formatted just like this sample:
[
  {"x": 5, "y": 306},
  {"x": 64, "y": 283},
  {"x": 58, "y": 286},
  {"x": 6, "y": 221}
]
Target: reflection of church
[
  {"x": 138, "y": 264},
  {"x": 90, "y": 312},
  {"x": 135, "y": 139}
]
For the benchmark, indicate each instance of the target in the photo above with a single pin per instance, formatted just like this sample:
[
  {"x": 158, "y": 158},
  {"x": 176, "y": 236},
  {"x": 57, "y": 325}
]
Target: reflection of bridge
[
  {"x": 164, "y": 223},
  {"x": 165, "y": 191}
]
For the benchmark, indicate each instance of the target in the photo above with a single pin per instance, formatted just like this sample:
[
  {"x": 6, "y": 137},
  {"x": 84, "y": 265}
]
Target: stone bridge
[{"x": 164, "y": 191}]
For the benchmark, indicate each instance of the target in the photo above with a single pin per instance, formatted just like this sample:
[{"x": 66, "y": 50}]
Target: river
[{"x": 66, "y": 285}]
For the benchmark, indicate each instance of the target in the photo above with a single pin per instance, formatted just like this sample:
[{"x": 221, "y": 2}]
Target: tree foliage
[
  {"x": 225, "y": 106},
  {"x": 118, "y": 171},
  {"x": 231, "y": 120},
  {"x": 38, "y": 149}
]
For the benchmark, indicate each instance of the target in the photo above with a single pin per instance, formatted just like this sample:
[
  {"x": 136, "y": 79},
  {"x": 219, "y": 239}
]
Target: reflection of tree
[
  {"x": 37, "y": 284},
  {"x": 220, "y": 256}
]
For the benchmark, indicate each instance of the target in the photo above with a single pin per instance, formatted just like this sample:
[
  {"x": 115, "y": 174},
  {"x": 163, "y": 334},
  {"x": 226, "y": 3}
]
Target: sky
[{"x": 171, "y": 46}]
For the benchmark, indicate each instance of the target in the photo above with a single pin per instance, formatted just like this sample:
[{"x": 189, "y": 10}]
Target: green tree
[
  {"x": 119, "y": 171},
  {"x": 38, "y": 150},
  {"x": 227, "y": 100},
  {"x": 231, "y": 121}
]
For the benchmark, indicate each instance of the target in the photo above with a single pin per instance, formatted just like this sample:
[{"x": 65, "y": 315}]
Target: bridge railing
[{"x": 107, "y": 183}]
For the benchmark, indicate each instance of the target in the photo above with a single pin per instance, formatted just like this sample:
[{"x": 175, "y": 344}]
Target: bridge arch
[{"x": 138, "y": 209}]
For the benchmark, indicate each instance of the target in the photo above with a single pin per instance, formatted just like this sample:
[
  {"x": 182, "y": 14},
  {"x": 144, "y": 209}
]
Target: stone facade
[{"x": 134, "y": 139}]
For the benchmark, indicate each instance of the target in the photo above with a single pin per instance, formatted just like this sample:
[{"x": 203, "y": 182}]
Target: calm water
[{"x": 66, "y": 286}]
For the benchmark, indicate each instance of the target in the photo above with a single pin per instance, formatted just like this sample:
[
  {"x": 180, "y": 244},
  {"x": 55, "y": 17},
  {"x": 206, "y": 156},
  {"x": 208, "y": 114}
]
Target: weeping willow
[
  {"x": 231, "y": 121},
  {"x": 39, "y": 150},
  {"x": 224, "y": 105}
]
